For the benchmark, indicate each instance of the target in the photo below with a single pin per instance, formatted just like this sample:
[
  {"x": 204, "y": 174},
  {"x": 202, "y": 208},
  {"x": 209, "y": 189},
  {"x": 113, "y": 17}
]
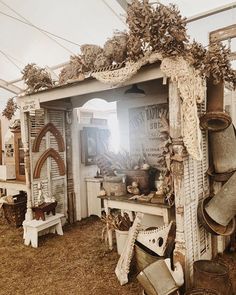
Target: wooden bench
[{"x": 34, "y": 228}]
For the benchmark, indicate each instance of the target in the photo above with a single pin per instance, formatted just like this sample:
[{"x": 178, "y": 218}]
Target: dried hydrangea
[
  {"x": 36, "y": 78},
  {"x": 75, "y": 70},
  {"x": 159, "y": 28},
  {"x": 89, "y": 54},
  {"x": 102, "y": 61},
  {"x": 115, "y": 48},
  {"x": 197, "y": 56},
  {"x": 217, "y": 63},
  {"x": 168, "y": 31}
]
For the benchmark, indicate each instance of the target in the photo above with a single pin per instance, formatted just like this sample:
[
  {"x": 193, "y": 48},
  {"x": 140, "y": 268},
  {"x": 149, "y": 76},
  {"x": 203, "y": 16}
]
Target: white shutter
[
  {"x": 196, "y": 187},
  {"x": 52, "y": 182},
  {"x": 37, "y": 121},
  {"x": 58, "y": 184}
]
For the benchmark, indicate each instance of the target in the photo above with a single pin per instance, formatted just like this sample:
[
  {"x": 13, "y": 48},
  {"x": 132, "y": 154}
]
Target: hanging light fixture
[{"x": 134, "y": 91}]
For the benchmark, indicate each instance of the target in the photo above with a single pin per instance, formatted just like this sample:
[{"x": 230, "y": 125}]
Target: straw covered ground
[{"x": 76, "y": 263}]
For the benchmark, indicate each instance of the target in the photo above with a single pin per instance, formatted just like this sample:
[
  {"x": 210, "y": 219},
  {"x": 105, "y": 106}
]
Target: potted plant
[
  {"x": 121, "y": 225},
  {"x": 135, "y": 169}
]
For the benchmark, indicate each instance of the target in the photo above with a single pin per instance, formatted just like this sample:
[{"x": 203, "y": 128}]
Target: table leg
[
  {"x": 34, "y": 238},
  {"x": 166, "y": 216},
  {"x": 59, "y": 229},
  {"x": 109, "y": 231}
]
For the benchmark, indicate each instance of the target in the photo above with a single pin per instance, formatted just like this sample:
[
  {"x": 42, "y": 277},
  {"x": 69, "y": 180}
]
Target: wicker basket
[{"x": 15, "y": 212}]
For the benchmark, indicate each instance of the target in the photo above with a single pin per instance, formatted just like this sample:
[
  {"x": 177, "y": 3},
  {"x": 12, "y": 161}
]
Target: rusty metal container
[
  {"x": 215, "y": 119},
  {"x": 156, "y": 279},
  {"x": 223, "y": 147},
  {"x": 200, "y": 291},
  {"x": 212, "y": 276},
  {"x": 222, "y": 207},
  {"x": 209, "y": 224},
  {"x": 144, "y": 257}
]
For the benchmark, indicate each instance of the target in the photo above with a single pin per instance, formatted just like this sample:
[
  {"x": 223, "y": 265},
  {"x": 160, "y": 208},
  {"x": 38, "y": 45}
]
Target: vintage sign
[
  {"x": 29, "y": 105},
  {"x": 149, "y": 131}
]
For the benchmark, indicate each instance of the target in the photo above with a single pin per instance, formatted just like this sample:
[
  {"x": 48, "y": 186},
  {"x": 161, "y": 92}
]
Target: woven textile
[
  {"x": 119, "y": 76},
  {"x": 192, "y": 91}
]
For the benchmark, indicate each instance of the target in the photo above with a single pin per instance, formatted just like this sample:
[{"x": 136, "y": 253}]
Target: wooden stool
[{"x": 32, "y": 228}]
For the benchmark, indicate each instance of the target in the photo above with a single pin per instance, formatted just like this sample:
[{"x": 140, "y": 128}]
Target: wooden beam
[
  {"x": 10, "y": 87},
  {"x": 223, "y": 34},
  {"x": 212, "y": 12},
  {"x": 88, "y": 86},
  {"x": 123, "y": 4}
]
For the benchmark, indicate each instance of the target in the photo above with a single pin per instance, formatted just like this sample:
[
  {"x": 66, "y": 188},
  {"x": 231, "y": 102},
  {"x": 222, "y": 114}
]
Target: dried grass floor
[{"x": 76, "y": 263}]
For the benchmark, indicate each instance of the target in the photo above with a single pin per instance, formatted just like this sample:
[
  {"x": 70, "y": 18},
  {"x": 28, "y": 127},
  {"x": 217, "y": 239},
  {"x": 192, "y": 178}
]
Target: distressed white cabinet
[{"x": 93, "y": 186}]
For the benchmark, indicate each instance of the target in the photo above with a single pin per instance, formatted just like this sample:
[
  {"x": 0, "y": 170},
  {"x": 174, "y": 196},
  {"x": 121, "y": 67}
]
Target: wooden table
[{"x": 123, "y": 203}]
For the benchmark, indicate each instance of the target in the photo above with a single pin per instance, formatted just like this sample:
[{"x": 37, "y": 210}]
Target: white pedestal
[
  {"x": 94, "y": 203},
  {"x": 34, "y": 228}
]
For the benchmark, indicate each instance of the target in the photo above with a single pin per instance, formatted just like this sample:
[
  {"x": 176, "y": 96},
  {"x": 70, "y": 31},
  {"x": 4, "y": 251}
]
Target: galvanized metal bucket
[
  {"x": 209, "y": 224},
  {"x": 222, "y": 207},
  {"x": 211, "y": 275},
  {"x": 156, "y": 279},
  {"x": 223, "y": 147},
  {"x": 215, "y": 119}
]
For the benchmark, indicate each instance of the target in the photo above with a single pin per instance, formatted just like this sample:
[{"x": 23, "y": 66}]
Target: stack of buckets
[{"x": 217, "y": 213}]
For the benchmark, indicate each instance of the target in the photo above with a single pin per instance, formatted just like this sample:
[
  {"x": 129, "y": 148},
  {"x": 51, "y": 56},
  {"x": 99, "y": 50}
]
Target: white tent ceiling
[{"x": 90, "y": 21}]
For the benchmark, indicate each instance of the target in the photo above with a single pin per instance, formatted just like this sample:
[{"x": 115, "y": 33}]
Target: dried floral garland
[
  {"x": 10, "y": 109},
  {"x": 36, "y": 78},
  {"x": 152, "y": 28},
  {"x": 74, "y": 70}
]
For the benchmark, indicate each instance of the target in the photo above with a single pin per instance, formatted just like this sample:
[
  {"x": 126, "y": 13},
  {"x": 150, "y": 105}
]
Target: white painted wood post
[
  {"x": 24, "y": 119},
  {"x": 177, "y": 170},
  {"x": 76, "y": 156}
]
